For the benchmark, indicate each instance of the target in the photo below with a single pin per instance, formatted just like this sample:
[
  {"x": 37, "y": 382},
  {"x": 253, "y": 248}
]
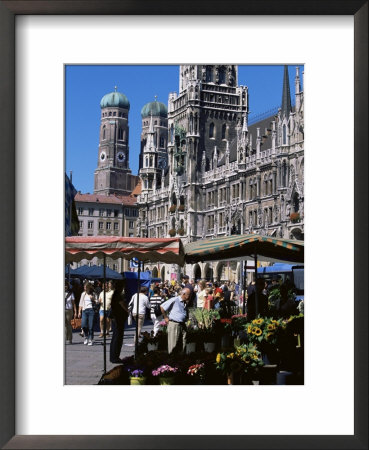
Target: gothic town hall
[{"x": 205, "y": 171}]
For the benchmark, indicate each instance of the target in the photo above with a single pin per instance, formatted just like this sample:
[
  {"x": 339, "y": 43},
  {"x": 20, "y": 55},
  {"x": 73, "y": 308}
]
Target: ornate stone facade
[{"x": 220, "y": 175}]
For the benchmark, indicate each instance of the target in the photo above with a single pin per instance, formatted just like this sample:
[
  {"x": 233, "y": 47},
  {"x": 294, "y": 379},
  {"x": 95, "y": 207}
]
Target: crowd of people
[{"x": 169, "y": 301}]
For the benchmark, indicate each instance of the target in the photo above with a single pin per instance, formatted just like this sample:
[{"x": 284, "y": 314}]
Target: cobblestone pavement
[{"x": 85, "y": 364}]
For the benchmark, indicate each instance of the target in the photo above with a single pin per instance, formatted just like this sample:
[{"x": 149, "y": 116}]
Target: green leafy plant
[{"x": 245, "y": 358}]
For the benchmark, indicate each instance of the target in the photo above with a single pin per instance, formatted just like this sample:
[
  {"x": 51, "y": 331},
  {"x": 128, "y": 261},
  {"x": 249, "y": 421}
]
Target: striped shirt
[{"x": 155, "y": 300}]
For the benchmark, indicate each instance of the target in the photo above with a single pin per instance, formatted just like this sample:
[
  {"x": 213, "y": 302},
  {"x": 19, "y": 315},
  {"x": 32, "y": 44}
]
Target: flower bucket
[
  {"x": 209, "y": 347},
  {"x": 137, "y": 380},
  {"x": 225, "y": 341},
  {"x": 165, "y": 381},
  {"x": 190, "y": 347},
  {"x": 152, "y": 347}
]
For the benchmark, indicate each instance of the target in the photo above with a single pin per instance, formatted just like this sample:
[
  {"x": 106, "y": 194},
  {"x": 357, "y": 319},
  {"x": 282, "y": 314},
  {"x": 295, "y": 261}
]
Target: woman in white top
[
  {"x": 143, "y": 303},
  {"x": 86, "y": 310},
  {"x": 109, "y": 291},
  {"x": 201, "y": 294}
]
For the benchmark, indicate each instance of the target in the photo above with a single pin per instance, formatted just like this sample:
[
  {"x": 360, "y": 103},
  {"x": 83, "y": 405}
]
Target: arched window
[
  {"x": 146, "y": 162},
  {"x": 224, "y": 129},
  {"x": 120, "y": 134},
  {"x": 284, "y": 135},
  {"x": 211, "y": 130},
  {"x": 284, "y": 174},
  {"x": 162, "y": 141},
  {"x": 104, "y": 132},
  {"x": 209, "y": 74},
  {"x": 171, "y": 133}
]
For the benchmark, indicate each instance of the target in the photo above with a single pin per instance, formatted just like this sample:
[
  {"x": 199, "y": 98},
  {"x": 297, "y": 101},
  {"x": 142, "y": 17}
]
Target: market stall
[{"x": 166, "y": 250}]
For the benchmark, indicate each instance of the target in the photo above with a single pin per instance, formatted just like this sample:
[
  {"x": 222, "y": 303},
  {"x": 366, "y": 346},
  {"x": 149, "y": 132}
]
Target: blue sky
[{"x": 86, "y": 85}]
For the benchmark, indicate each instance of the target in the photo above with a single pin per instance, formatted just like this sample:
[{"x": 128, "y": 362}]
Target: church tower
[{"x": 113, "y": 175}]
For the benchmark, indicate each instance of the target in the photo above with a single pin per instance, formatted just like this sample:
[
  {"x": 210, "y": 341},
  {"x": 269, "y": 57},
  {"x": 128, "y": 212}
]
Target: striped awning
[
  {"x": 247, "y": 245},
  {"x": 168, "y": 250}
]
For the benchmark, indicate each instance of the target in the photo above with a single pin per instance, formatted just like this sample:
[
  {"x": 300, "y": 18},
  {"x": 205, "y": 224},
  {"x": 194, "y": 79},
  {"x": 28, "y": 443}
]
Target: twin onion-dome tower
[{"x": 113, "y": 175}]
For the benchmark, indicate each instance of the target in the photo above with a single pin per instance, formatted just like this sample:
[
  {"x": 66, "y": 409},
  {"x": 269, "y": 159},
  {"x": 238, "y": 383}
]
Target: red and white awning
[{"x": 166, "y": 250}]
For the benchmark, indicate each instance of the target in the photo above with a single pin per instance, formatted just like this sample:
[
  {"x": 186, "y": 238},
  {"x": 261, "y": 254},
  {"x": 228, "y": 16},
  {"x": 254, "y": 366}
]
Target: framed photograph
[{"x": 330, "y": 40}]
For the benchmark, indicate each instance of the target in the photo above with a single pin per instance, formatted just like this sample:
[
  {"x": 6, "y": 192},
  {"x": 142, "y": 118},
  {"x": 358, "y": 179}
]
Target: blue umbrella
[{"x": 92, "y": 272}]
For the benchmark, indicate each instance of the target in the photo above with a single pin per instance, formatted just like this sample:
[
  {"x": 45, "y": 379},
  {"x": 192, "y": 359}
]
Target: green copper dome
[
  {"x": 114, "y": 100},
  {"x": 154, "y": 108}
]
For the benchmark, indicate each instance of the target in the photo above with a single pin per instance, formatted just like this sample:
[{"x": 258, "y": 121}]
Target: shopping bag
[{"x": 76, "y": 323}]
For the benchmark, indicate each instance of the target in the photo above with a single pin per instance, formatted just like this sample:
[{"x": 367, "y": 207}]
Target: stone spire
[{"x": 286, "y": 94}]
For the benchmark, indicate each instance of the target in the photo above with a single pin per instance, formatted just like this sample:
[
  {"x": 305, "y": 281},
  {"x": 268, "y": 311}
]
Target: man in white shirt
[{"x": 143, "y": 303}]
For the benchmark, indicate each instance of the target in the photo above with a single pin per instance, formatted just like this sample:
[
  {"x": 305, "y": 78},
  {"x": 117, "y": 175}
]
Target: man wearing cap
[{"x": 175, "y": 314}]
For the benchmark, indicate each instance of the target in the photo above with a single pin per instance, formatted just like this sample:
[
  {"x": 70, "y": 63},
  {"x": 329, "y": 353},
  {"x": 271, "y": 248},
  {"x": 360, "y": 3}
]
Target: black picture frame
[{"x": 8, "y": 10}]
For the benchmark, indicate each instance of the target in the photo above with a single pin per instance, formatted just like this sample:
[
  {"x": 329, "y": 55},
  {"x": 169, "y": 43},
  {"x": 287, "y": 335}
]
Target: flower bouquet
[
  {"x": 197, "y": 371},
  {"x": 263, "y": 329},
  {"x": 165, "y": 373},
  {"x": 245, "y": 359}
]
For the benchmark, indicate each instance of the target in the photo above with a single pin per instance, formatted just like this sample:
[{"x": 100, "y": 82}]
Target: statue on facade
[
  {"x": 203, "y": 72},
  {"x": 288, "y": 211},
  {"x": 230, "y": 76}
]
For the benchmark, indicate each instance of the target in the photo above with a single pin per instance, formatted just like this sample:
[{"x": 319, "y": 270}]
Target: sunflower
[
  {"x": 249, "y": 329},
  {"x": 218, "y": 358},
  {"x": 269, "y": 335},
  {"x": 259, "y": 321},
  {"x": 255, "y": 321},
  {"x": 230, "y": 355},
  {"x": 270, "y": 326},
  {"x": 257, "y": 331}
]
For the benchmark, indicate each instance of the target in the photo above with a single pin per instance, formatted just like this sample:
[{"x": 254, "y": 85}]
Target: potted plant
[
  {"x": 181, "y": 208},
  {"x": 226, "y": 332},
  {"x": 264, "y": 332},
  {"x": 244, "y": 360},
  {"x": 238, "y": 328},
  {"x": 150, "y": 341},
  {"x": 172, "y": 208},
  {"x": 205, "y": 320},
  {"x": 166, "y": 374},
  {"x": 192, "y": 338},
  {"x": 181, "y": 231},
  {"x": 137, "y": 377},
  {"x": 209, "y": 339},
  {"x": 197, "y": 372},
  {"x": 172, "y": 232}
]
